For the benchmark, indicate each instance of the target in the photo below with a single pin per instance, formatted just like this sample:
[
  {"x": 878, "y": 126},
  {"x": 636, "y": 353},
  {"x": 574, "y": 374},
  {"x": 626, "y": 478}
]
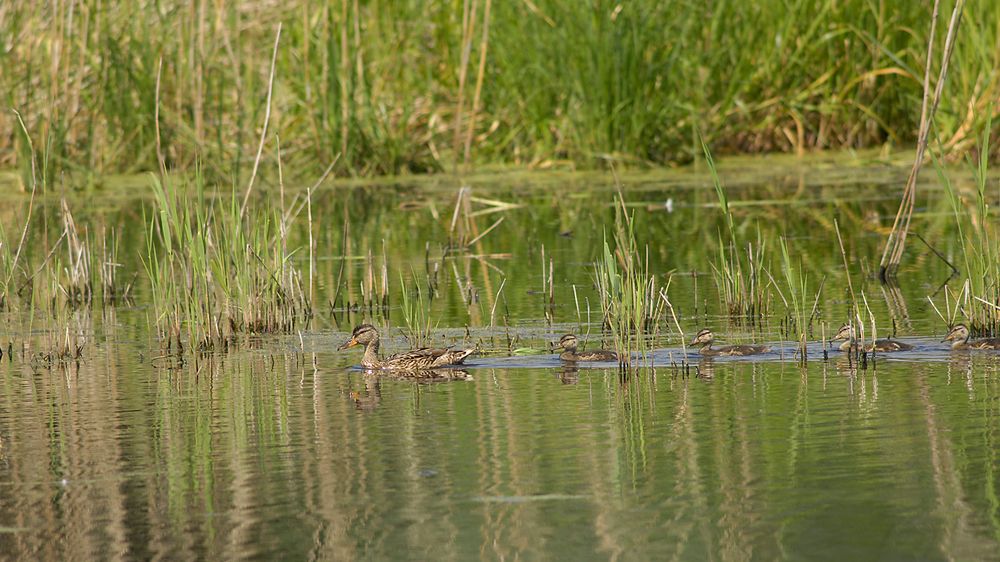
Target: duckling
[
  {"x": 409, "y": 361},
  {"x": 569, "y": 343},
  {"x": 846, "y": 333},
  {"x": 704, "y": 341},
  {"x": 959, "y": 335}
]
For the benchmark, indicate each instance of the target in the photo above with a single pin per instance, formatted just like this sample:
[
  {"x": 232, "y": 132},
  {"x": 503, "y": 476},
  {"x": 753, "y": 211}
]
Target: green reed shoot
[
  {"x": 740, "y": 277},
  {"x": 980, "y": 247},
  {"x": 416, "y": 314},
  {"x": 628, "y": 290},
  {"x": 801, "y": 310},
  {"x": 216, "y": 274}
]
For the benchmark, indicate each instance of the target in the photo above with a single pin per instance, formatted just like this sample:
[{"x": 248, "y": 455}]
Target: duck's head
[
  {"x": 362, "y": 335},
  {"x": 960, "y": 332},
  {"x": 846, "y": 332},
  {"x": 703, "y": 338},
  {"x": 568, "y": 342}
]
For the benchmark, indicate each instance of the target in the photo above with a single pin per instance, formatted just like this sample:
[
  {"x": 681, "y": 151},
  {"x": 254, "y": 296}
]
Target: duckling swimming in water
[
  {"x": 846, "y": 333},
  {"x": 959, "y": 336},
  {"x": 569, "y": 343},
  {"x": 704, "y": 341}
]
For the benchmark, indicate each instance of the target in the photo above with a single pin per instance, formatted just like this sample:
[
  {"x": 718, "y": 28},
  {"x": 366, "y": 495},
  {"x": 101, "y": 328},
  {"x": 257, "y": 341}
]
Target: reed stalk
[
  {"x": 896, "y": 242},
  {"x": 740, "y": 277},
  {"x": 979, "y": 301},
  {"x": 630, "y": 298}
]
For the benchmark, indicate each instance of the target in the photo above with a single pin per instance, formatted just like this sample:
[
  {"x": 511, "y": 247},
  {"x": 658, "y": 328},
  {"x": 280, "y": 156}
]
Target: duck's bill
[
  {"x": 693, "y": 342},
  {"x": 349, "y": 343}
]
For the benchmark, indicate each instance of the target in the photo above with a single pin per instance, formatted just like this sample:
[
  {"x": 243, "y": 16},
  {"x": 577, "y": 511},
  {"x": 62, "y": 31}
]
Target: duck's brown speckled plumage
[
  {"x": 704, "y": 341},
  {"x": 569, "y": 344},
  {"x": 414, "y": 361},
  {"x": 846, "y": 333},
  {"x": 960, "y": 338}
]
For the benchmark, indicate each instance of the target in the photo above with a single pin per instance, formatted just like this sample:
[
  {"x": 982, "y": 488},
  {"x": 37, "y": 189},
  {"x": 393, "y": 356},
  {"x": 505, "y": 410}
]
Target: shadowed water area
[{"x": 282, "y": 447}]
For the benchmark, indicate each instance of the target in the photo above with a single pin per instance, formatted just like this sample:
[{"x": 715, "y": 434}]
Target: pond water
[{"x": 281, "y": 448}]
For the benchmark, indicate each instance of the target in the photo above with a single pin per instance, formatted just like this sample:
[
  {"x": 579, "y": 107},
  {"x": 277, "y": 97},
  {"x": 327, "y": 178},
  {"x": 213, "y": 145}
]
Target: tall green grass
[
  {"x": 741, "y": 277},
  {"x": 979, "y": 247},
  {"x": 216, "y": 274},
  {"x": 800, "y": 303},
  {"x": 390, "y": 85},
  {"x": 415, "y": 308},
  {"x": 630, "y": 297}
]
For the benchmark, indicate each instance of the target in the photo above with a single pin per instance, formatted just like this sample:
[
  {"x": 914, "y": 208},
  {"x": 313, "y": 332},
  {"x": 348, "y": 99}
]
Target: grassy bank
[{"x": 409, "y": 86}]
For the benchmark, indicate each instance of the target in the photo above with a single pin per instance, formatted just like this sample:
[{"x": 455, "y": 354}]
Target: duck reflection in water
[
  {"x": 371, "y": 397},
  {"x": 569, "y": 375},
  {"x": 421, "y": 375}
]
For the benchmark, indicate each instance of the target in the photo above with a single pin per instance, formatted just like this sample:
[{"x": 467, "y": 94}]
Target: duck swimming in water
[
  {"x": 410, "y": 361},
  {"x": 959, "y": 336},
  {"x": 846, "y": 333},
  {"x": 704, "y": 341},
  {"x": 568, "y": 343}
]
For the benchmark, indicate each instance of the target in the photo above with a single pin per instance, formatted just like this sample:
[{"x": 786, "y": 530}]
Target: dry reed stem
[
  {"x": 267, "y": 119},
  {"x": 483, "y": 46},
  {"x": 896, "y": 243},
  {"x": 469, "y": 8},
  {"x": 31, "y": 200}
]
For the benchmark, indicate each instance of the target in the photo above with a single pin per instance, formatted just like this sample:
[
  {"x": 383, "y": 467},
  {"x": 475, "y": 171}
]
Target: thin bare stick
[
  {"x": 483, "y": 46},
  {"x": 267, "y": 118},
  {"x": 485, "y": 232},
  {"x": 938, "y": 88},
  {"x": 156, "y": 119},
  {"x": 312, "y": 259},
  {"x": 31, "y": 201},
  {"x": 918, "y": 160},
  {"x": 496, "y": 300}
]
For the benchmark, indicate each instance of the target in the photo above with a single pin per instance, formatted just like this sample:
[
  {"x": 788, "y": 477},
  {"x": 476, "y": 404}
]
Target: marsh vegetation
[{"x": 202, "y": 200}]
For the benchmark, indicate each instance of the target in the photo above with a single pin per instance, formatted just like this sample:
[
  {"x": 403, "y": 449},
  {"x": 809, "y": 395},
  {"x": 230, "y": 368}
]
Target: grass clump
[
  {"x": 979, "y": 249},
  {"x": 416, "y": 315},
  {"x": 630, "y": 298},
  {"x": 741, "y": 278},
  {"x": 216, "y": 274},
  {"x": 800, "y": 309}
]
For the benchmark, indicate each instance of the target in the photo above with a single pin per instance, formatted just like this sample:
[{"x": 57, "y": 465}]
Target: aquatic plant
[
  {"x": 416, "y": 315},
  {"x": 216, "y": 273},
  {"x": 800, "y": 308},
  {"x": 979, "y": 247},
  {"x": 630, "y": 298},
  {"x": 742, "y": 279}
]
